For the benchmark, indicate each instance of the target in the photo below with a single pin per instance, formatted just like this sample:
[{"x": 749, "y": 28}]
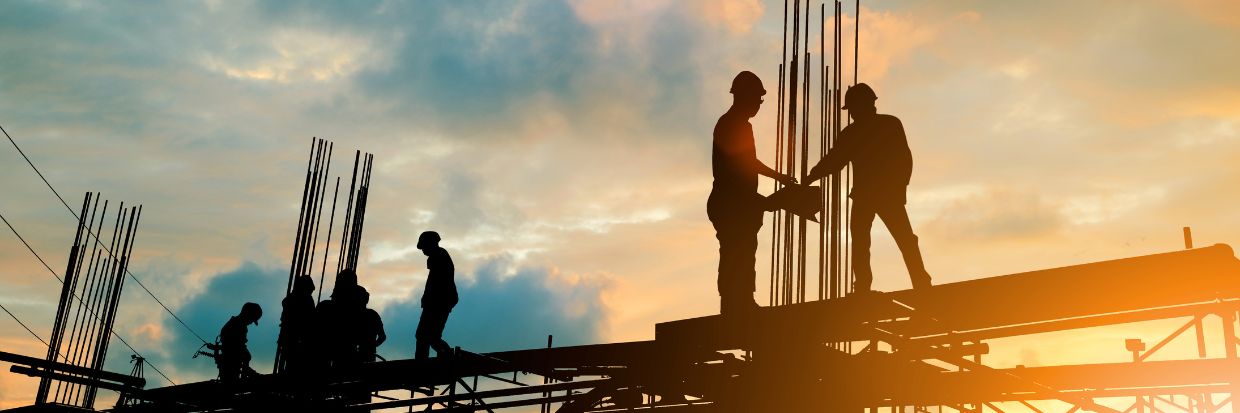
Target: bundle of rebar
[
  {"x": 88, "y": 302},
  {"x": 792, "y": 259},
  {"x": 310, "y": 217}
]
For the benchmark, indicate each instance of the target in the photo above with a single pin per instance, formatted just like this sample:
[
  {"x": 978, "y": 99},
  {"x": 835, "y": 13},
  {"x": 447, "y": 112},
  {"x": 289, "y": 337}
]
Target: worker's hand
[{"x": 787, "y": 180}]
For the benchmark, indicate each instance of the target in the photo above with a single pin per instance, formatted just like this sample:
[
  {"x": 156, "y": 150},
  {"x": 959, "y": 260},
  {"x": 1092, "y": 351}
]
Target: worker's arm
[
  {"x": 835, "y": 160},
  {"x": 382, "y": 334},
  {"x": 773, "y": 174}
]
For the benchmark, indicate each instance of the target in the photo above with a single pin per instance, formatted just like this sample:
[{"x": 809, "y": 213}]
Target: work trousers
[
  {"x": 737, "y": 219},
  {"x": 430, "y": 333},
  {"x": 232, "y": 364},
  {"x": 895, "y": 217}
]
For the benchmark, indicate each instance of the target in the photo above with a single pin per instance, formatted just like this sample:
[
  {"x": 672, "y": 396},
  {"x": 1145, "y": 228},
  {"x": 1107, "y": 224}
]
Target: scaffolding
[{"x": 914, "y": 351}]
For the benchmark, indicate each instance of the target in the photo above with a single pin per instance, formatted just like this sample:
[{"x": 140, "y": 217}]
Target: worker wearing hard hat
[
  {"x": 735, "y": 207},
  {"x": 882, "y": 165},
  {"x": 437, "y": 299},
  {"x": 234, "y": 357}
]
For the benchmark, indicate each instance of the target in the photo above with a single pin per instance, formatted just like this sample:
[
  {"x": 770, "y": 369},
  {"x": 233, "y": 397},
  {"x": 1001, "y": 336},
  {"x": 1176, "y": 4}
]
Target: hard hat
[
  {"x": 747, "y": 83},
  {"x": 252, "y": 309},
  {"x": 303, "y": 283},
  {"x": 859, "y": 93},
  {"x": 427, "y": 239}
]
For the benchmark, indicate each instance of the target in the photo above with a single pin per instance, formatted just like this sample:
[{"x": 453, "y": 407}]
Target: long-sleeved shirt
[
  {"x": 881, "y": 159},
  {"x": 233, "y": 340},
  {"x": 733, "y": 156},
  {"x": 440, "y": 290}
]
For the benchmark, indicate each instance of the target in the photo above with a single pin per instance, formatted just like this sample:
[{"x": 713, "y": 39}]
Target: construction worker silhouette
[
  {"x": 369, "y": 328},
  {"x": 735, "y": 208},
  {"x": 234, "y": 357},
  {"x": 438, "y": 298},
  {"x": 882, "y": 165},
  {"x": 334, "y": 346},
  {"x": 296, "y": 321}
]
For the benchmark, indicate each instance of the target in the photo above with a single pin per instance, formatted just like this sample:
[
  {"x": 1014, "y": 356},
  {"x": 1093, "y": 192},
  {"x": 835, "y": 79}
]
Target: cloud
[
  {"x": 508, "y": 306},
  {"x": 207, "y": 311},
  {"x": 503, "y": 306},
  {"x": 992, "y": 214}
]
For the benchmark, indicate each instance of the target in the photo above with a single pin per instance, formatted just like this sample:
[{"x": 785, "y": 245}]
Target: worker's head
[
  {"x": 251, "y": 312},
  {"x": 859, "y": 101},
  {"x": 363, "y": 296},
  {"x": 345, "y": 281},
  {"x": 747, "y": 93},
  {"x": 428, "y": 239},
  {"x": 303, "y": 285}
]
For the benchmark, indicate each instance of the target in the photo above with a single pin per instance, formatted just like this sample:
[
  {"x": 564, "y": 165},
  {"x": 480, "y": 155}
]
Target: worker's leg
[
  {"x": 436, "y": 319},
  {"x": 726, "y": 217},
  {"x": 736, "y": 223},
  {"x": 425, "y": 334},
  {"x": 896, "y": 218},
  {"x": 441, "y": 347},
  {"x": 422, "y": 349},
  {"x": 859, "y": 226}
]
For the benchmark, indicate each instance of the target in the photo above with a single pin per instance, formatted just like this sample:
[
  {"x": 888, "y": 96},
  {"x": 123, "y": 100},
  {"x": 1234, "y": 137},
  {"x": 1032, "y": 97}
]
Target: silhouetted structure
[
  {"x": 306, "y": 238},
  {"x": 438, "y": 299},
  {"x": 883, "y": 164},
  {"x": 296, "y": 324},
  {"x": 905, "y": 340},
  {"x": 735, "y": 207},
  {"x": 233, "y": 360},
  {"x": 89, "y": 300}
]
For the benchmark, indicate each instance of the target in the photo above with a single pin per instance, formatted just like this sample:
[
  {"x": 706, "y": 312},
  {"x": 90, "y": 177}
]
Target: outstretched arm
[
  {"x": 833, "y": 162},
  {"x": 773, "y": 174}
]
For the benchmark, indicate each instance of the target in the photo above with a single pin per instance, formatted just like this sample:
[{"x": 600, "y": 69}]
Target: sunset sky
[{"x": 562, "y": 149}]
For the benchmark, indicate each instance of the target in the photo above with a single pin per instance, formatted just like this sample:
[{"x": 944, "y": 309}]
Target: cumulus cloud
[
  {"x": 991, "y": 214},
  {"x": 577, "y": 133},
  {"x": 509, "y": 306},
  {"x": 503, "y": 306}
]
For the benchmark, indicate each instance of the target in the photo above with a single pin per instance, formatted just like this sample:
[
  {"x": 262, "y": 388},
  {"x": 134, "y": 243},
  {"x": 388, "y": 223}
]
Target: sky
[{"x": 561, "y": 148}]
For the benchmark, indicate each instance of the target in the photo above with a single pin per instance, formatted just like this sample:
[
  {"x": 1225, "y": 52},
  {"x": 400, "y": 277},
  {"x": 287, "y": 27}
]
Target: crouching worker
[{"x": 234, "y": 357}]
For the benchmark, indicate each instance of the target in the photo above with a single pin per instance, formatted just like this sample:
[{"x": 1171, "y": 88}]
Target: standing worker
[
  {"x": 369, "y": 328},
  {"x": 234, "y": 357},
  {"x": 883, "y": 164},
  {"x": 295, "y": 323},
  {"x": 438, "y": 298},
  {"x": 735, "y": 207}
]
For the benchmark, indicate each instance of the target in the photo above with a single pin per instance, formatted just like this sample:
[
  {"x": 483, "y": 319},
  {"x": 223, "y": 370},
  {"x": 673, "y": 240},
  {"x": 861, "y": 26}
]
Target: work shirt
[
  {"x": 881, "y": 159},
  {"x": 733, "y": 157},
  {"x": 297, "y": 318},
  {"x": 371, "y": 325},
  {"x": 233, "y": 339},
  {"x": 440, "y": 290}
]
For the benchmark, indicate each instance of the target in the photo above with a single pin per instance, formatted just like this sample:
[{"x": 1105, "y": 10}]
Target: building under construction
[
  {"x": 901, "y": 350},
  {"x": 922, "y": 351}
]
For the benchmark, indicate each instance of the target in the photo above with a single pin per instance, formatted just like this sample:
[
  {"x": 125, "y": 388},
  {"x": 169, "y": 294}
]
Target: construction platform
[{"x": 907, "y": 348}]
